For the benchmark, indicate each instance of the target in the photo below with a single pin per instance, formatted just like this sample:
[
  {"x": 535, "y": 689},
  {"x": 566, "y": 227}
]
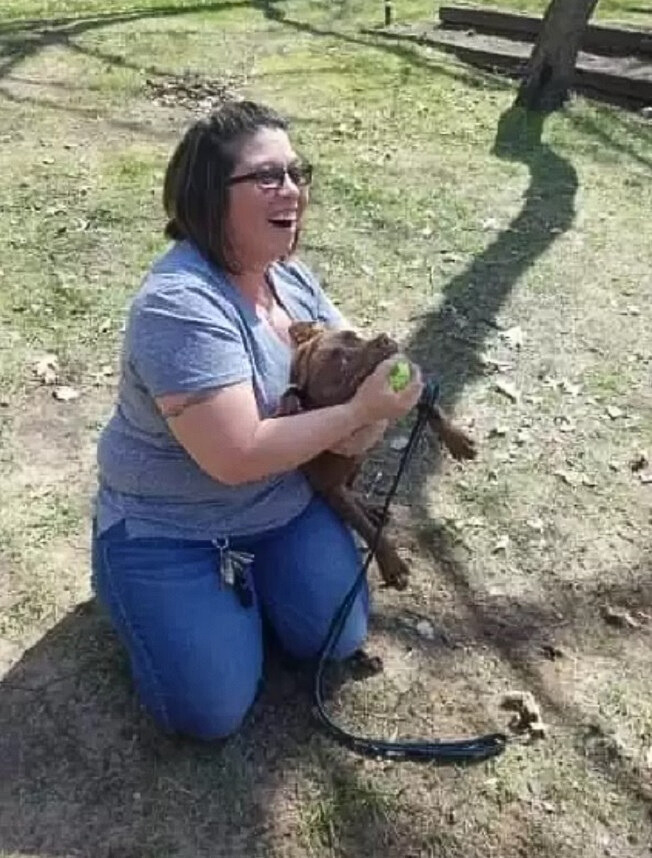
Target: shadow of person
[
  {"x": 479, "y": 292},
  {"x": 84, "y": 771}
]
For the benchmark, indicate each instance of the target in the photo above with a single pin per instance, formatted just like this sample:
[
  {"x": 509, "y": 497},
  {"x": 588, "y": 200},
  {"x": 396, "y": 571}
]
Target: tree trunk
[{"x": 551, "y": 67}]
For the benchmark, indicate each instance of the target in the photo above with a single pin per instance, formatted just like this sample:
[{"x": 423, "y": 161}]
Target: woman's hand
[
  {"x": 361, "y": 440},
  {"x": 376, "y": 400}
]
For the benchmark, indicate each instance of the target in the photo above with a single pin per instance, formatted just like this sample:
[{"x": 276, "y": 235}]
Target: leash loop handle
[{"x": 460, "y": 750}]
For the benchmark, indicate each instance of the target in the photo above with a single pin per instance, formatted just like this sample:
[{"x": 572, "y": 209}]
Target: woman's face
[{"x": 262, "y": 220}]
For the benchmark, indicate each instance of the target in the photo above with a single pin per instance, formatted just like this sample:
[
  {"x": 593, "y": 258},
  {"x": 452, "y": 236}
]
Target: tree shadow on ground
[
  {"x": 587, "y": 125},
  {"x": 84, "y": 772},
  {"x": 523, "y": 635},
  {"x": 410, "y": 50},
  {"x": 21, "y": 40},
  {"x": 639, "y": 10},
  {"x": 406, "y": 52},
  {"x": 478, "y": 293}
]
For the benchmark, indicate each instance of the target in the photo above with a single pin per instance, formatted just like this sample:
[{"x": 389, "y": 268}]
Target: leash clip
[{"x": 429, "y": 396}]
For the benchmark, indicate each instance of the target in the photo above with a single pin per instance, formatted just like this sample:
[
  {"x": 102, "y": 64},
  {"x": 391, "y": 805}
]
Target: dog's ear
[
  {"x": 303, "y": 332},
  {"x": 289, "y": 403}
]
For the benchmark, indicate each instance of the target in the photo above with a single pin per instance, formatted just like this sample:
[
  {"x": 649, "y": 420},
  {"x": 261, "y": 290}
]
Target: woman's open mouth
[{"x": 284, "y": 221}]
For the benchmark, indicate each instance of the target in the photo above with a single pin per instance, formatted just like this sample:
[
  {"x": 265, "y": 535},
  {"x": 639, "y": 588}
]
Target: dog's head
[{"x": 329, "y": 365}]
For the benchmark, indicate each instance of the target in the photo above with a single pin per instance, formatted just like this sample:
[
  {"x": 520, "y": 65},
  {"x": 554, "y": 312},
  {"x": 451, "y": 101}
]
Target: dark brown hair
[{"x": 195, "y": 191}]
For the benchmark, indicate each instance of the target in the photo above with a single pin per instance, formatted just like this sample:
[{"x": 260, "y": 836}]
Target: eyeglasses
[{"x": 273, "y": 176}]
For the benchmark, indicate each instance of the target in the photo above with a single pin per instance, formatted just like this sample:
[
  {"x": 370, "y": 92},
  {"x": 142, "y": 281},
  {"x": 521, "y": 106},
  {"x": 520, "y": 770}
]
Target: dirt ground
[{"x": 513, "y": 259}]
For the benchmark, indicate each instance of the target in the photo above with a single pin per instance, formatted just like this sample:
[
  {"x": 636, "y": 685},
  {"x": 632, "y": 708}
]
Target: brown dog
[{"x": 327, "y": 369}]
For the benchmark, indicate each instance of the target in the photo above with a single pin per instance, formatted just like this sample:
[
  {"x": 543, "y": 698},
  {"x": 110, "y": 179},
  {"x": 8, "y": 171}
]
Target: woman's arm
[{"x": 224, "y": 434}]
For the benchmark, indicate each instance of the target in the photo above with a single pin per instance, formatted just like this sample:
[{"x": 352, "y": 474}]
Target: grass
[{"x": 446, "y": 217}]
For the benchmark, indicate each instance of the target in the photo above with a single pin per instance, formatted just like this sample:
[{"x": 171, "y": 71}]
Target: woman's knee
[
  {"x": 304, "y": 636},
  {"x": 216, "y": 720},
  {"x": 179, "y": 627},
  {"x": 215, "y": 711}
]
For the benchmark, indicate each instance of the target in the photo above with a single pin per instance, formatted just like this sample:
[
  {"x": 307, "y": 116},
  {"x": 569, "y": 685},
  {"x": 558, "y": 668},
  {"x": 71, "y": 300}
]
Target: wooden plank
[
  {"x": 625, "y": 81},
  {"x": 599, "y": 38}
]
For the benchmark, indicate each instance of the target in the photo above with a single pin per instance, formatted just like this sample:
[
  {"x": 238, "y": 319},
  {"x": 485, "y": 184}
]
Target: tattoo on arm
[{"x": 178, "y": 408}]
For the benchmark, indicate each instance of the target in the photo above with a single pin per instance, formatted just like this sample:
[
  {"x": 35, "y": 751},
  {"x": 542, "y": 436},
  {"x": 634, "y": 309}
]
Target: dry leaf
[
  {"x": 47, "y": 369},
  {"x": 564, "y": 424},
  {"x": 614, "y": 412},
  {"x": 507, "y": 389},
  {"x": 399, "y": 443},
  {"x": 65, "y": 394},
  {"x": 568, "y": 477},
  {"x": 567, "y": 387},
  {"x": 535, "y": 524},
  {"x": 425, "y": 629},
  {"x": 527, "y": 716},
  {"x": 514, "y": 336},
  {"x": 552, "y": 652},
  {"x": 488, "y": 362},
  {"x": 639, "y": 462},
  {"x": 501, "y": 543},
  {"x": 532, "y": 400},
  {"x": 619, "y": 617},
  {"x": 646, "y": 479}
]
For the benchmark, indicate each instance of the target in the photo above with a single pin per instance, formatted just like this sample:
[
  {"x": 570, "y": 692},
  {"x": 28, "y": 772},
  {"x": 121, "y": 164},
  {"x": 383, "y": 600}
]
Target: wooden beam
[
  {"x": 626, "y": 81},
  {"x": 599, "y": 38}
]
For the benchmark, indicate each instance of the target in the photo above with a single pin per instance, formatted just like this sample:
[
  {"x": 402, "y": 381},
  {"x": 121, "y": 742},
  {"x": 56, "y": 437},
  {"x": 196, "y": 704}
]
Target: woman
[{"x": 203, "y": 522}]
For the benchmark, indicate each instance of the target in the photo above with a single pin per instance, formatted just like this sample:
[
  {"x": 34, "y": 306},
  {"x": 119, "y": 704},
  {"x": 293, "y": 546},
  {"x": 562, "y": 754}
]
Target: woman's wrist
[{"x": 357, "y": 414}]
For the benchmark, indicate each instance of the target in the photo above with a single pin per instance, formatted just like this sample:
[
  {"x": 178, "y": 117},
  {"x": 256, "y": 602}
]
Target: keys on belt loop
[{"x": 234, "y": 566}]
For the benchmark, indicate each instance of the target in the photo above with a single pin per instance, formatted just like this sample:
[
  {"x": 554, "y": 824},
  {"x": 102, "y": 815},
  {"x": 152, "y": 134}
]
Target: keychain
[{"x": 234, "y": 566}]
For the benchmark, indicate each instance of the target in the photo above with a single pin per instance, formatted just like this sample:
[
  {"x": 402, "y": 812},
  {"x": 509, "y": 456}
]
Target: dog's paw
[
  {"x": 362, "y": 665},
  {"x": 374, "y": 513},
  {"x": 459, "y": 444},
  {"x": 394, "y": 572}
]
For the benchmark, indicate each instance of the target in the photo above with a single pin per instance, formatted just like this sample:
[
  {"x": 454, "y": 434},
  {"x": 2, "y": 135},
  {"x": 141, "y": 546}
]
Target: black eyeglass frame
[{"x": 300, "y": 174}]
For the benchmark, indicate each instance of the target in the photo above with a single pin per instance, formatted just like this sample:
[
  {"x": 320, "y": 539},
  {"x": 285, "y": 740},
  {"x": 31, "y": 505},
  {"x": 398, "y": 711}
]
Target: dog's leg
[
  {"x": 374, "y": 512},
  {"x": 393, "y": 570},
  {"x": 458, "y": 443}
]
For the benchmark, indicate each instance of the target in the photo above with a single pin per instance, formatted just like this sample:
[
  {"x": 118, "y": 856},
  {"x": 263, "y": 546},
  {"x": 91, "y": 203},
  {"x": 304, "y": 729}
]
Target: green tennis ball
[{"x": 400, "y": 375}]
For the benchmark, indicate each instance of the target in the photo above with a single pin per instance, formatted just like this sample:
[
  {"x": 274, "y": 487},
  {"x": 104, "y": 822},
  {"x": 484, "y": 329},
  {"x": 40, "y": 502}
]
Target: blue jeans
[{"x": 196, "y": 651}]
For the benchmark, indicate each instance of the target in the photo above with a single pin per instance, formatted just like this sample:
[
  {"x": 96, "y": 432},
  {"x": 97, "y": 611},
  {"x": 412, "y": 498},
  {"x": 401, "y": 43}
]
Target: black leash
[{"x": 475, "y": 749}]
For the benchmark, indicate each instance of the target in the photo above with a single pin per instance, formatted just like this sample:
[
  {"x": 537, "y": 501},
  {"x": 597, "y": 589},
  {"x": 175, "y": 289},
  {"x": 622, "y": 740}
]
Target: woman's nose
[{"x": 289, "y": 187}]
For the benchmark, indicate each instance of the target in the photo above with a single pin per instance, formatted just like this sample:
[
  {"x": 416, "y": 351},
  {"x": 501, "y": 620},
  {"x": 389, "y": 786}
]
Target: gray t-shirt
[{"x": 189, "y": 329}]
